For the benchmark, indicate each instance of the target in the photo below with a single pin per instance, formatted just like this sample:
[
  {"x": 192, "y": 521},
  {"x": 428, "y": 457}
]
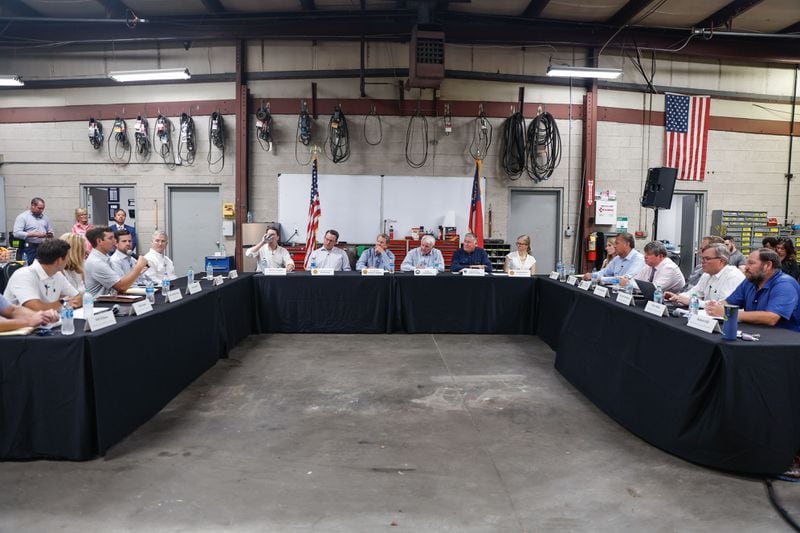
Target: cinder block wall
[{"x": 745, "y": 170}]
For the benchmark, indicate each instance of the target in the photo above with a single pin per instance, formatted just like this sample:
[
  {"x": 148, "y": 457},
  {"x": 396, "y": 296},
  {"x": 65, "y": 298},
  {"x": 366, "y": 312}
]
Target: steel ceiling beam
[
  {"x": 727, "y": 13},
  {"x": 308, "y": 5},
  {"x": 214, "y": 6},
  {"x": 535, "y": 8},
  {"x": 395, "y": 26},
  {"x": 794, "y": 28},
  {"x": 17, "y": 8},
  {"x": 628, "y": 12}
]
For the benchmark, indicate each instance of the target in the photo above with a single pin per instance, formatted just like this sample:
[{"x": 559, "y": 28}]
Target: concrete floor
[{"x": 383, "y": 433}]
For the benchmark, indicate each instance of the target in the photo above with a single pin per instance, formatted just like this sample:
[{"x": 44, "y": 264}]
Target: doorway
[
  {"x": 682, "y": 226},
  {"x": 537, "y": 213},
  {"x": 101, "y": 201},
  {"x": 194, "y": 225}
]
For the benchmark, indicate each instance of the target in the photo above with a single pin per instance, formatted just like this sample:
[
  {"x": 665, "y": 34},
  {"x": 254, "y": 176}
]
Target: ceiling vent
[{"x": 426, "y": 57}]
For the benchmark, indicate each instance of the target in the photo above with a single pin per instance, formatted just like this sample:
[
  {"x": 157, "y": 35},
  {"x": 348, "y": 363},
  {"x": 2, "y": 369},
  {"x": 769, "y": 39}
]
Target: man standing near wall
[
  {"x": 32, "y": 227},
  {"x": 119, "y": 224}
]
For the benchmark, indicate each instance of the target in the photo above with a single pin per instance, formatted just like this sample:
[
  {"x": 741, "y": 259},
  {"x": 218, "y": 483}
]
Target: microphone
[{"x": 132, "y": 255}]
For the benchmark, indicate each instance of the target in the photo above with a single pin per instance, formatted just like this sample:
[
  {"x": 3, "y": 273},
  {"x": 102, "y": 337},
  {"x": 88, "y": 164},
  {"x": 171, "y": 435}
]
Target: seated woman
[
  {"x": 73, "y": 271},
  {"x": 82, "y": 225},
  {"x": 522, "y": 258},
  {"x": 785, "y": 249},
  {"x": 611, "y": 252}
]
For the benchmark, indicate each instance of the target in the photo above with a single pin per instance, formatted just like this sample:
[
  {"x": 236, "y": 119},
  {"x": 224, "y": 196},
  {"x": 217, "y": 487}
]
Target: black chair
[{"x": 7, "y": 270}]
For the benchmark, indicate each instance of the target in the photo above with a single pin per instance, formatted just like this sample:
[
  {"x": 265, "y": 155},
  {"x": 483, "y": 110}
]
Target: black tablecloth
[
  {"x": 732, "y": 405},
  {"x": 345, "y": 303},
  {"x": 451, "y": 303},
  {"x": 75, "y": 396}
]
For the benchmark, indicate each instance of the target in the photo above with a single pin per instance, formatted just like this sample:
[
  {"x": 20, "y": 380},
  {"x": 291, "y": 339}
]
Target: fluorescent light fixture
[
  {"x": 150, "y": 75},
  {"x": 10, "y": 81},
  {"x": 584, "y": 72}
]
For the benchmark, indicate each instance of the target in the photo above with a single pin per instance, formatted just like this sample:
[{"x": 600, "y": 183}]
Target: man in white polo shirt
[
  {"x": 101, "y": 279},
  {"x": 718, "y": 281},
  {"x": 42, "y": 285}
]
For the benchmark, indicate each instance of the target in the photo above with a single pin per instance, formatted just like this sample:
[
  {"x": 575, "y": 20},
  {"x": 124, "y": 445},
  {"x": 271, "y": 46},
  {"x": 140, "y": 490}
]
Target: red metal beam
[{"x": 242, "y": 151}]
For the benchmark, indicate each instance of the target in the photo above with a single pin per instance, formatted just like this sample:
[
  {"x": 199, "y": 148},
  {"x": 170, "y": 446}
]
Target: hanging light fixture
[
  {"x": 150, "y": 75},
  {"x": 10, "y": 80},
  {"x": 565, "y": 71}
]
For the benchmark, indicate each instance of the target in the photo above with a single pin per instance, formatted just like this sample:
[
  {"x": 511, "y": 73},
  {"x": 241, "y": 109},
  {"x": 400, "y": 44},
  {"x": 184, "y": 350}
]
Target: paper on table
[
  {"x": 702, "y": 312},
  {"x": 78, "y": 313}
]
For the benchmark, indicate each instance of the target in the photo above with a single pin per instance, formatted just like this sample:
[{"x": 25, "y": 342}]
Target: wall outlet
[{"x": 569, "y": 231}]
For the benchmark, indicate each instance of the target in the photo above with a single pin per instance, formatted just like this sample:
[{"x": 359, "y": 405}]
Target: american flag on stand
[
  {"x": 687, "y": 134},
  {"x": 314, "y": 212},
  {"x": 475, "y": 206}
]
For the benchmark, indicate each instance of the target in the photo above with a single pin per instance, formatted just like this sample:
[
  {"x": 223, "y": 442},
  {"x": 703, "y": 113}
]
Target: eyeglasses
[
  {"x": 704, "y": 259},
  {"x": 522, "y": 244}
]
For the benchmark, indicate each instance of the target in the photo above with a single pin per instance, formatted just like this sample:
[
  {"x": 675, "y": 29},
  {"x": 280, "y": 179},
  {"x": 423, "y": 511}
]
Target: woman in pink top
[{"x": 82, "y": 225}]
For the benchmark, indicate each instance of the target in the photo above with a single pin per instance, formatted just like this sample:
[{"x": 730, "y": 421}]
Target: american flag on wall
[
  {"x": 476, "y": 207},
  {"x": 687, "y": 134},
  {"x": 314, "y": 212}
]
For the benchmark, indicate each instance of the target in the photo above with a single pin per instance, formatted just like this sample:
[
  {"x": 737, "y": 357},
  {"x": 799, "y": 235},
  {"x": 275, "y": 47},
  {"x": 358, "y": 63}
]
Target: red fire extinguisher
[{"x": 591, "y": 247}]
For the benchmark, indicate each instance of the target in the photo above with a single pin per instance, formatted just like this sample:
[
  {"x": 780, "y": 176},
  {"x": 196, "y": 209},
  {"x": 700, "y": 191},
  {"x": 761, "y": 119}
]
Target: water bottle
[
  {"x": 165, "y": 286},
  {"x": 88, "y": 304},
  {"x": 190, "y": 275},
  {"x": 67, "y": 318},
  {"x": 560, "y": 270},
  {"x": 594, "y": 276},
  {"x": 629, "y": 287},
  {"x": 694, "y": 304},
  {"x": 658, "y": 296},
  {"x": 209, "y": 271},
  {"x": 150, "y": 292},
  {"x": 222, "y": 249},
  {"x": 264, "y": 265},
  {"x": 313, "y": 263}
]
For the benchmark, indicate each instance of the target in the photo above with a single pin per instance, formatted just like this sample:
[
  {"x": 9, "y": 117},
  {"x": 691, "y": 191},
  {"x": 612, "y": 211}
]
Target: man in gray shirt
[
  {"x": 32, "y": 227},
  {"x": 737, "y": 259},
  {"x": 101, "y": 279}
]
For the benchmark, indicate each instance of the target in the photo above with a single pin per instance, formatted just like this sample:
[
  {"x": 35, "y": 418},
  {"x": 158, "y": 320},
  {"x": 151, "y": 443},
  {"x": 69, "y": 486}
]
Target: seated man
[
  {"x": 15, "y": 317},
  {"x": 426, "y": 256},
  {"x": 470, "y": 256},
  {"x": 274, "y": 255},
  {"x": 659, "y": 269},
  {"x": 768, "y": 296},
  {"x": 329, "y": 256},
  {"x": 737, "y": 258},
  {"x": 628, "y": 261},
  {"x": 100, "y": 277},
  {"x": 121, "y": 260},
  {"x": 42, "y": 285},
  {"x": 159, "y": 263},
  {"x": 377, "y": 257},
  {"x": 718, "y": 281},
  {"x": 695, "y": 275}
]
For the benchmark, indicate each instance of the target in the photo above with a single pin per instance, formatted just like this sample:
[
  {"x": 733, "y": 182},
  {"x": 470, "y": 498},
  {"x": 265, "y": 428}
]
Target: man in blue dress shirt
[
  {"x": 33, "y": 227},
  {"x": 628, "y": 261},
  {"x": 470, "y": 256},
  {"x": 377, "y": 257},
  {"x": 767, "y": 296}
]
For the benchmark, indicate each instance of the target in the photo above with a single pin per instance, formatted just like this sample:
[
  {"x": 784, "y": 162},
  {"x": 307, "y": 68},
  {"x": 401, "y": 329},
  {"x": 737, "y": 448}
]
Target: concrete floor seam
[{"x": 480, "y": 435}]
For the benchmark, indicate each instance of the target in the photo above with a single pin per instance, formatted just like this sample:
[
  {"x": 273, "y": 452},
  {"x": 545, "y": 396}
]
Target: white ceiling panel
[
  {"x": 259, "y": 6},
  {"x": 769, "y": 16},
  {"x": 491, "y": 7},
  {"x": 161, "y": 8},
  {"x": 683, "y": 13},
  {"x": 68, "y": 8},
  {"x": 581, "y": 10}
]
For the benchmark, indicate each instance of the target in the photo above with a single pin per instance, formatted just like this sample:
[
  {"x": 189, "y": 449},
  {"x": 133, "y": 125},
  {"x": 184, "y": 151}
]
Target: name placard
[
  {"x": 372, "y": 272},
  {"x": 425, "y": 271},
  {"x": 572, "y": 280},
  {"x": 142, "y": 307},
  {"x": 553, "y": 275},
  {"x": 194, "y": 288},
  {"x": 602, "y": 292},
  {"x": 219, "y": 280},
  {"x": 476, "y": 272},
  {"x": 274, "y": 271},
  {"x": 656, "y": 309},
  {"x": 704, "y": 323},
  {"x": 585, "y": 285},
  {"x": 233, "y": 274},
  {"x": 174, "y": 295},
  {"x": 102, "y": 320},
  {"x": 513, "y": 273},
  {"x": 322, "y": 272},
  {"x": 624, "y": 298}
]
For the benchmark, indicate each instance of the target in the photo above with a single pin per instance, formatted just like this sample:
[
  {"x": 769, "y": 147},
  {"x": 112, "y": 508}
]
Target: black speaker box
[{"x": 659, "y": 187}]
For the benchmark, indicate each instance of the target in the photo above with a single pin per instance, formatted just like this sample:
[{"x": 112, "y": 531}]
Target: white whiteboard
[{"x": 357, "y": 205}]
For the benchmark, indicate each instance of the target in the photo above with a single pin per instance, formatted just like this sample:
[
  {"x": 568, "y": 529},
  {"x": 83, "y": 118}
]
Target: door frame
[
  {"x": 168, "y": 188},
  {"x": 700, "y": 223},
  {"x": 83, "y": 194},
  {"x": 559, "y": 192}
]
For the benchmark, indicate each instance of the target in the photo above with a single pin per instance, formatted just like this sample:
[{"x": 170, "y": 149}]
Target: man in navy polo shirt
[{"x": 767, "y": 296}]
